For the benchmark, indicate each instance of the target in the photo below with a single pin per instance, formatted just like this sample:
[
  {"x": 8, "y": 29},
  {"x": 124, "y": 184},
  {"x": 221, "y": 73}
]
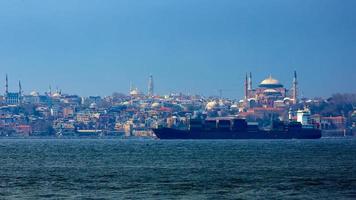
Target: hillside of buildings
[{"x": 56, "y": 114}]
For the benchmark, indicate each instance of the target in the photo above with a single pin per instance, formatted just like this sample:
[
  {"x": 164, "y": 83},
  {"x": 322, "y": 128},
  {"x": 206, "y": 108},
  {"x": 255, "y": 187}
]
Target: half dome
[{"x": 270, "y": 91}]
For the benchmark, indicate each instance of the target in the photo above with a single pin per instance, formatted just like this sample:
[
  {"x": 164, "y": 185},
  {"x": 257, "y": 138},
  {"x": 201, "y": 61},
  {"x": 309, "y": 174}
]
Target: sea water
[{"x": 155, "y": 169}]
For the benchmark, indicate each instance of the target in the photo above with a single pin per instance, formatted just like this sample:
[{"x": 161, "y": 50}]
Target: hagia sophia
[{"x": 269, "y": 93}]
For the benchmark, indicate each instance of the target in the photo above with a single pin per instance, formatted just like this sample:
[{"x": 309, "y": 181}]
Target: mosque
[
  {"x": 270, "y": 93},
  {"x": 135, "y": 92},
  {"x": 12, "y": 98}
]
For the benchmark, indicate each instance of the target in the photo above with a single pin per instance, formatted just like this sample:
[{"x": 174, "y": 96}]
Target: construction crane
[{"x": 221, "y": 91}]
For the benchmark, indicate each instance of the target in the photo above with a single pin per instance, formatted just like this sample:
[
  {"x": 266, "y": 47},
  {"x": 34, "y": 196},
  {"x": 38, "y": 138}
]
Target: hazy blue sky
[{"x": 193, "y": 46}]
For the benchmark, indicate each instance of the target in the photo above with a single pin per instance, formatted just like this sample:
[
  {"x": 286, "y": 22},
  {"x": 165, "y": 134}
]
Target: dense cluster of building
[
  {"x": 272, "y": 100},
  {"x": 62, "y": 115}
]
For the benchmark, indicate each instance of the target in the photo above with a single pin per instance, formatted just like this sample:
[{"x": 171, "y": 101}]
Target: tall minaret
[
  {"x": 295, "y": 88},
  {"x": 246, "y": 88},
  {"x": 6, "y": 86},
  {"x": 20, "y": 89},
  {"x": 250, "y": 82},
  {"x": 150, "y": 86},
  {"x": 20, "y": 93}
]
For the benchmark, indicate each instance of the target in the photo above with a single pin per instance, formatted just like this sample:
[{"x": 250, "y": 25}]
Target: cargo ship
[{"x": 222, "y": 128}]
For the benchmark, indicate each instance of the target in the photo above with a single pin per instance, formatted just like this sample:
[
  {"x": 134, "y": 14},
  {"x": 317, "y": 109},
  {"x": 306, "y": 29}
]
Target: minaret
[
  {"x": 20, "y": 93},
  {"x": 295, "y": 88},
  {"x": 150, "y": 86},
  {"x": 246, "y": 88},
  {"x": 6, "y": 86},
  {"x": 20, "y": 89},
  {"x": 250, "y": 82}
]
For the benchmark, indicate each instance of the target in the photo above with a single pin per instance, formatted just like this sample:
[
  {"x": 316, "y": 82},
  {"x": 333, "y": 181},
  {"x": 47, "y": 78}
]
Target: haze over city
[{"x": 100, "y": 47}]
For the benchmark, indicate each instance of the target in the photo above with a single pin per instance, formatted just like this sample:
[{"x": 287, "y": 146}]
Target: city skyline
[
  {"x": 150, "y": 90},
  {"x": 195, "y": 47}
]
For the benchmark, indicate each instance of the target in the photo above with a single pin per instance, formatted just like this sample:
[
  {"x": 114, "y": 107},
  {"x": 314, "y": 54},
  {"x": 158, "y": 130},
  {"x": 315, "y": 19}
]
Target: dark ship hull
[{"x": 169, "y": 133}]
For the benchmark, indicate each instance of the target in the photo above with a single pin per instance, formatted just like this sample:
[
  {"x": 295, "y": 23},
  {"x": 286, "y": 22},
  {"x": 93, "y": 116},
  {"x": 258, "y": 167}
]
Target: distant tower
[
  {"x": 246, "y": 88},
  {"x": 150, "y": 86},
  {"x": 50, "y": 90},
  {"x": 295, "y": 88},
  {"x": 20, "y": 89},
  {"x": 20, "y": 93},
  {"x": 6, "y": 86},
  {"x": 250, "y": 82}
]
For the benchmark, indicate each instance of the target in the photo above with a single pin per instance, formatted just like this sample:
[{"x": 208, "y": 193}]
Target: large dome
[
  {"x": 135, "y": 92},
  {"x": 34, "y": 93},
  {"x": 270, "y": 83},
  {"x": 156, "y": 105},
  {"x": 211, "y": 105}
]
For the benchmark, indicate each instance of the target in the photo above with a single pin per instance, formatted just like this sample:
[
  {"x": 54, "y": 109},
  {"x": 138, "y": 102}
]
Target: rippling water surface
[{"x": 151, "y": 169}]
